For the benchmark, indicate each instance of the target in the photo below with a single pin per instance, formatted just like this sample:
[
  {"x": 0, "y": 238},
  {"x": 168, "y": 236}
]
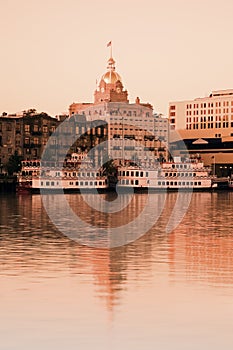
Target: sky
[{"x": 52, "y": 52}]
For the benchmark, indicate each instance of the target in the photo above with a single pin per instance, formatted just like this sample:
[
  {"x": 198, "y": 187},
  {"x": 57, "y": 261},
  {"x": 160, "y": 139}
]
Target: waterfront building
[
  {"x": 24, "y": 134},
  {"x": 10, "y": 137},
  {"x": 134, "y": 131},
  {"x": 206, "y": 126},
  {"x": 37, "y": 128}
]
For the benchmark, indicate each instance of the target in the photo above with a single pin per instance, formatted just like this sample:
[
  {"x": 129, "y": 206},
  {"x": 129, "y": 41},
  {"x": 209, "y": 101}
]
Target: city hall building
[{"x": 134, "y": 131}]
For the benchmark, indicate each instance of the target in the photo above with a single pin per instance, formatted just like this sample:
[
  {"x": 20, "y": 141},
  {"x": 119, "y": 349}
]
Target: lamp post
[
  {"x": 214, "y": 165},
  {"x": 230, "y": 171},
  {"x": 221, "y": 169}
]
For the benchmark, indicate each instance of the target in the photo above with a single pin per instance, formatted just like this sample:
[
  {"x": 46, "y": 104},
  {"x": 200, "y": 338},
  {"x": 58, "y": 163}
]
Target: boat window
[
  {"x": 86, "y": 183},
  {"x": 136, "y": 182},
  {"x": 171, "y": 183},
  {"x": 175, "y": 183},
  {"x": 41, "y": 183},
  {"x": 166, "y": 174},
  {"x": 187, "y": 183},
  {"x": 195, "y": 183},
  {"x": 95, "y": 183},
  {"x": 167, "y": 183},
  {"x": 123, "y": 182},
  {"x": 159, "y": 183},
  {"x": 183, "y": 183},
  {"x": 141, "y": 173},
  {"x": 199, "y": 183},
  {"x": 127, "y": 173},
  {"x": 81, "y": 183},
  {"x": 91, "y": 183},
  {"x": 132, "y": 173},
  {"x": 174, "y": 174},
  {"x": 127, "y": 182},
  {"x": 179, "y": 183},
  {"x": 52, "y": 183},
  {"x": 131, "y": 182},
  {"x": 47, "y": 183},
  {"x": 76, "y": 183},
  {"x": 137, "y": 173},
  {"x": 123, "y": 173},
  {"x": 147, "y": 174}
]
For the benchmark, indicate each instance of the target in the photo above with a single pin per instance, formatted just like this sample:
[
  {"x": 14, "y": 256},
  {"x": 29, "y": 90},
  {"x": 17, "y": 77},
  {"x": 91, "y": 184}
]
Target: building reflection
[{"x": 202, "y": 246}]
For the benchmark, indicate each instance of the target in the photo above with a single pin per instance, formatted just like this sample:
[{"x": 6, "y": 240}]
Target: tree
[
  {"x": 109, "y": 168},
  {"x": 14, "y": 164}
]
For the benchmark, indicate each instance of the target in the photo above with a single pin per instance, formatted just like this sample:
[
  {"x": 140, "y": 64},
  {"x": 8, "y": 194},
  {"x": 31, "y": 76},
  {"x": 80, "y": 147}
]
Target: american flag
[{"x": 109, "y": 44}]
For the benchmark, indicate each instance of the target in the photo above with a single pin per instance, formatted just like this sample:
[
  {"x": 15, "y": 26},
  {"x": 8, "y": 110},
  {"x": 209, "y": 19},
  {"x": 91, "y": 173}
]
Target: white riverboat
[
  {"x": 173, "y": 176},
  {"x": 77, "y": 174}
]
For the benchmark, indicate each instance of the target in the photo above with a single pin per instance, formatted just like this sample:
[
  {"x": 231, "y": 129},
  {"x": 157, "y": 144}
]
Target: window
[
  {"x": 9, "y": 127},
  {"x": 27, "y": 128},
  {"x": 45, "y": 128}
]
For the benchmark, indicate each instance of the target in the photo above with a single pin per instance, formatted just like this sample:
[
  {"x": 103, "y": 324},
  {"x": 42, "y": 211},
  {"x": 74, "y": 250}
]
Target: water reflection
[
  {"x": 200, "y": 249},
  {"x": 162, "y": 290}
]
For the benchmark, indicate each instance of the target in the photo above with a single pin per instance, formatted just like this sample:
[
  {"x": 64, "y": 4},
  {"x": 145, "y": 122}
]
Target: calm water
[{"x": 164, "y": 291}]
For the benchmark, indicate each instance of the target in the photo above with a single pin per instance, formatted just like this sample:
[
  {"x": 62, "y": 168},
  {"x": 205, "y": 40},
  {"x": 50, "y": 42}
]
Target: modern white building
[{"x": 206, "y": 125}]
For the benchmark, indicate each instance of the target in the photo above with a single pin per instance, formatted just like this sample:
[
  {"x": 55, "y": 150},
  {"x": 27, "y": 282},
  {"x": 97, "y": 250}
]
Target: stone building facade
[{"x": 134, "y": 131}]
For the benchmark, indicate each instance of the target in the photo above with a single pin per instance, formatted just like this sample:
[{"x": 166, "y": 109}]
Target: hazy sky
[{"x": 52, "y": 51}]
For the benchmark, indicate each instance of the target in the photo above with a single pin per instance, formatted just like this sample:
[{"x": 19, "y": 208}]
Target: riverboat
[
  {"x": 75, "y": 175},
  {"x": 169, "y": 176}
]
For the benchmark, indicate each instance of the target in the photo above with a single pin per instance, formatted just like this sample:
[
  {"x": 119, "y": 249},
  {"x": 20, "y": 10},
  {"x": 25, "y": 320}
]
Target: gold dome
[{"x": 111, "y": 77}]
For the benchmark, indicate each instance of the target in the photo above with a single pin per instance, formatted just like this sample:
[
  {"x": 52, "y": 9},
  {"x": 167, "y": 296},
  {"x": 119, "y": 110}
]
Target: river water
[{"x": 165, "y": 290}]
